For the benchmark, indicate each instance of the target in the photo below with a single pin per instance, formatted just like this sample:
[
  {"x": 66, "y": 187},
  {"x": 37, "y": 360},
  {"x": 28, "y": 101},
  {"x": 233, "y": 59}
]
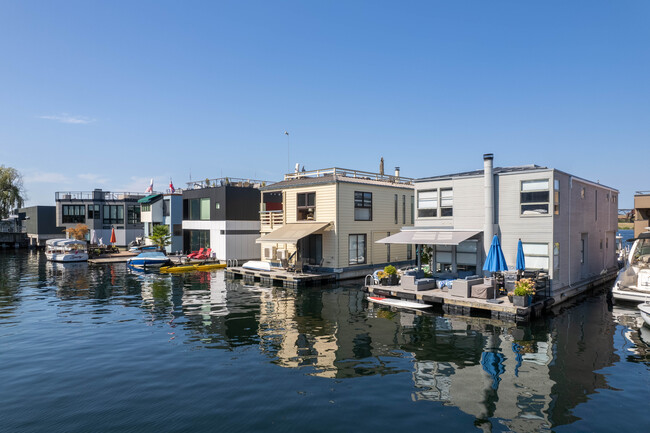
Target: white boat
[
  {"x": 397, "y": 302},
  {"x": 633, "y": 281},
  {"x": 257, "y": 265},
  {"x": 645, "y": 312},
  {"x": 66, "y": 250}
]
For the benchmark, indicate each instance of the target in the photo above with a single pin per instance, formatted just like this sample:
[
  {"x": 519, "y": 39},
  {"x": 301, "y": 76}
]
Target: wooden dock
[
  {"x": 279, "y": 277},
  {"x": 463, "y": 306}
]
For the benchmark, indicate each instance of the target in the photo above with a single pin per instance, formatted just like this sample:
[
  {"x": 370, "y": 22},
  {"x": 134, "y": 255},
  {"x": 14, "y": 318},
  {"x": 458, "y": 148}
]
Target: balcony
[{"x": 271, "y": 220}]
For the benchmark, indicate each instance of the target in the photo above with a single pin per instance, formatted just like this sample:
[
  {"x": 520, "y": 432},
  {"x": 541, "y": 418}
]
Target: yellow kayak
[{"x": 194, "y": 267}]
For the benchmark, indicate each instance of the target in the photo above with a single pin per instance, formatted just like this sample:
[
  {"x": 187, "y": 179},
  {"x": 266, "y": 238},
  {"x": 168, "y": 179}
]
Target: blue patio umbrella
[
  {"x": 521, "y": 260},
  {"x": 495, "y": 261}
]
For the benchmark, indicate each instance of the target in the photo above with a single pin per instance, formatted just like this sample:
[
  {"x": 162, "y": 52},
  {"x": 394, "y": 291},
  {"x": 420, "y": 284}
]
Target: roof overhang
[
  {"x": 292, "y": 233},
  {"x": 429, "y": 237},
  {"x": 149, "y": 198}
]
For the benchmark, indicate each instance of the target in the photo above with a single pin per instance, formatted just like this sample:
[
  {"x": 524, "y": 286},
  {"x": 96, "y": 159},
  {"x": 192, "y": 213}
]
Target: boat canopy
[
  {"x": 64, "y": 242},
  {"x": 429, "y": 237},
  {"x": 292, "y": 233},
  {"x": 149, "y": 198}
]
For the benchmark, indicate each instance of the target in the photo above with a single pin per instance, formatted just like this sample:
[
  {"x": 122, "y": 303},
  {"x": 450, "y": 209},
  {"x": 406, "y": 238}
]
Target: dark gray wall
[
  {"x": 42, "y": 220},
  {"x": 235, "y": 203}
]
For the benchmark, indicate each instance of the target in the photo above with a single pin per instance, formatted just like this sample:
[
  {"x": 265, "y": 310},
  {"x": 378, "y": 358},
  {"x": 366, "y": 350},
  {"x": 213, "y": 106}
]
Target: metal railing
[
  {"x": 94, "y": 195},
  {"x": 642, "y": 193},
  {"x": 271, "y": 218},
  {"x": 344, "y": 172},
  {"x": 227, "y": 181}
]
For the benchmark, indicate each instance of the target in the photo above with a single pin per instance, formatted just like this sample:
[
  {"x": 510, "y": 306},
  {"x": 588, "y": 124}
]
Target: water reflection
[{"x": 526, "y": 378}]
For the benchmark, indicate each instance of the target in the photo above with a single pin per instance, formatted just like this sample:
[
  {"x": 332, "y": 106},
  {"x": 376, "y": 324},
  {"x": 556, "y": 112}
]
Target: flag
[
  {"x": 286, "y": 133},
  {"x": 171, "y": 186},
  {"x": 150, "y": 189}
]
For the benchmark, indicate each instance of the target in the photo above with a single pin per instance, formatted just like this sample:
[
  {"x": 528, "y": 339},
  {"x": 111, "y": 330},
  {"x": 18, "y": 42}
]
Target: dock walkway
[
  {"x": 464, "y": 306},
  {"x": 280, "y": 277}
]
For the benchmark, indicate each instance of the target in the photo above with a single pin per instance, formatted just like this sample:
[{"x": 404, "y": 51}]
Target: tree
[
  {"x": 160, "y": 236},
  {"x": 12, "y": 194},
  {"x": 78, "y": 232}
]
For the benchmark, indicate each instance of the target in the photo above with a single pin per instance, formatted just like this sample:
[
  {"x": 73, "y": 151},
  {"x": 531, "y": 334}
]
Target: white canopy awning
[
  {"x": 64, "y": 242},
  {"x": 429, "y": 237},
  {"x": 291, "y": 233}
]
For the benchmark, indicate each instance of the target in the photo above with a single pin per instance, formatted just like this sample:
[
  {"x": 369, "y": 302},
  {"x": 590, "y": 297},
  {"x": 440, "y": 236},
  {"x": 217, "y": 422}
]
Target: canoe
[
  {"x": 397, "y": 302},
  {"x": 210, "y": 266},
  {"x": 194, "y": 267}
]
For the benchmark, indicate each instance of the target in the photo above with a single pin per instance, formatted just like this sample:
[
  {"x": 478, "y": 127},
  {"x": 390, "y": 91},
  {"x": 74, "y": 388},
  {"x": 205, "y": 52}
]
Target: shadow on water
[{"x": 505, "y": 376}]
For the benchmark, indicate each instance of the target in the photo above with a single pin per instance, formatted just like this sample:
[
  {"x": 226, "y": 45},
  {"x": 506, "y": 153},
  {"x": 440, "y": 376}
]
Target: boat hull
[
  {"x": 397, "y": 302},
  {"x": 645, "y": 312},
  {"x": 147, "y": 263},
  {"x": 67, "y": 258}
]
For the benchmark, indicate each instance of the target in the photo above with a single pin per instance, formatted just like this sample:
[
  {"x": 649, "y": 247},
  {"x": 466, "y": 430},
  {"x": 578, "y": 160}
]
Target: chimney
[
  {"x": 397, "y": 172},
  {"x": 488, "y": 184}
]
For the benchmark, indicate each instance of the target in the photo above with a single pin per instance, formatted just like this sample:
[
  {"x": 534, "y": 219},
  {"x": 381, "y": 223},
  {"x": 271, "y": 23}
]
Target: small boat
[
  {"x": 66, "y": 250},
  {"x": 192, "y": 267},
  {"x": 149, "y": 259},
  {"x": 397, "y": 302},
  {"x": 257, "y": 265},
  {"x": 645, "y": 312},
  {"x": 633, "y": 281}
]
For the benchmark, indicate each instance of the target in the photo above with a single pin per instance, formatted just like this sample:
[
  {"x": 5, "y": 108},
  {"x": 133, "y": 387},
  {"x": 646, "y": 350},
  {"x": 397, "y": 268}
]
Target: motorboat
[
  {"x": 257, "y": 265},
  {"x": 149, "y": 259},
  {"x": 66, "y": 250},
  {"x": 645, "y": 312},
  {"x": 633, "y": 281}
]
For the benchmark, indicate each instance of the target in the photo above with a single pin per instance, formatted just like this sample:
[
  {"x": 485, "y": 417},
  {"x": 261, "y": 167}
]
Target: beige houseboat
[{"x": 329, "y": 220}]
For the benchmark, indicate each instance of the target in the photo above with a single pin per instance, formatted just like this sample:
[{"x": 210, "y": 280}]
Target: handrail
[
  {"x": 641, "y": 192},
  {"x": 227, "y": 181},
  {"x": 344, "y": 172},
  {"x": 101, "y": 195}
]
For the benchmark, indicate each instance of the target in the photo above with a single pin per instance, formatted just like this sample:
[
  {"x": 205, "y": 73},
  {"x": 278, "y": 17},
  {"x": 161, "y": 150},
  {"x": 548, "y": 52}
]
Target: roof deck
[{"x": 227, "y": 181}]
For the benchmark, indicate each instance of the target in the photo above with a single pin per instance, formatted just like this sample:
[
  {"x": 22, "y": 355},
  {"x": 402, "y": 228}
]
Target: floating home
[
  {"x": 223, "y": 215},
  {"x": 39, "y": 224},
  {"x": 567, "y": 224},
  {"x": 102, "y": 211},
  {"x": 329, "y": 221},
  {"x": 163, "y": 209}
]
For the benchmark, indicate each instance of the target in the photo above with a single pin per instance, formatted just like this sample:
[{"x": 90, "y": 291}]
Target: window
[
  {"x": 396, "y": 206},
  {"x": 113, "y": 214},
  {"x": 443, "y": 258},
  {"x": 357, "y": 249},
  {"x": 582, "y": 193},
  {"x": 133, "y": 214},
  {"x": 146, "y": 208},
  {"x": 582, "y": 250},
  {"x": 388, "y": 250},
  {"x": 556, "y": 197},
  {"x": 427, "y": 204},
  {"x": 446, "y": 202},
  {"x": 93, "y": 211},
  {"x": 556, "y": 258},
  {"x": 466, "y": 257},
  {"x": 403, "y": 209},
  {"x": 536, "y": 255},
  {"x": 534, "y": 197},
  {"x": 165, "y": 209},
  {"x": 412, "y": 210},
  {"x": 199, "y": 209},
  {"x": 73, "y": 213},
  {"x": 306, "y": 205},
  {"x": 409, "y": 252},
  {"x": 362, "y": 206}
]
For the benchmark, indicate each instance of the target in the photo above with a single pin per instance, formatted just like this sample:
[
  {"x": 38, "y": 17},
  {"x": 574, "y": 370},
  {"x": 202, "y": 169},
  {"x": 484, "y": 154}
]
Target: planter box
[
  {"x": 521, "y": 301},
  {"x": 391, "y": 280}
]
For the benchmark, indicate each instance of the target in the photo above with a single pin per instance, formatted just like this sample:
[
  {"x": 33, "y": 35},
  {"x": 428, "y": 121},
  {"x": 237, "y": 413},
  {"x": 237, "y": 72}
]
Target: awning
[
  {"x": 149, "y": 198},
  {"x": 291, "y": 233},
  {"x": 428, "y": 237}
]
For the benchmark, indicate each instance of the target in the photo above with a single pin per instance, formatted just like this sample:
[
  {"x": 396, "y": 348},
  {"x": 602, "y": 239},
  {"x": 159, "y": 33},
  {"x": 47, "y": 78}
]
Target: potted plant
[
  {"x": 524, "y": 291},
  {"x": 390, "y": 277}
]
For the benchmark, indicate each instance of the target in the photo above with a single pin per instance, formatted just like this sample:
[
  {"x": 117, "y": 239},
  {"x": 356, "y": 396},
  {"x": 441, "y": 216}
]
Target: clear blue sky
[{"x": 111, "y": 94}]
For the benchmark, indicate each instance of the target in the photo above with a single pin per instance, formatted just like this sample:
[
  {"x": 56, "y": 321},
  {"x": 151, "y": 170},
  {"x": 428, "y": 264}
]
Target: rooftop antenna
[{"x": 288, "y": 155}]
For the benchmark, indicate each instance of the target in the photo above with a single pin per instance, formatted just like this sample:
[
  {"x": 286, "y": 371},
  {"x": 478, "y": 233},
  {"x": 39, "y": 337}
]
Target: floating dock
[
  {"x": 279, "y": 277},
  {"x": 464, "y": 306}
]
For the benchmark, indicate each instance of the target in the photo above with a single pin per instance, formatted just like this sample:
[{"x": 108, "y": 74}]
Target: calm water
[{"x": 96, "y": 348}]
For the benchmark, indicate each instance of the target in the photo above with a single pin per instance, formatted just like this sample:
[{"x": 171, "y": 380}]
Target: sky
[{"x": 112, "y": 94}]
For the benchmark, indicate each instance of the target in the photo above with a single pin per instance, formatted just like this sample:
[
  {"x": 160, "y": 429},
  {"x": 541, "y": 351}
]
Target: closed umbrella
[
  {"x": 113, "y": 240},
  {"x": 93, "y": 238},
  {"x": 495, "y": 261},
  {"x": 521, "y": 259}
]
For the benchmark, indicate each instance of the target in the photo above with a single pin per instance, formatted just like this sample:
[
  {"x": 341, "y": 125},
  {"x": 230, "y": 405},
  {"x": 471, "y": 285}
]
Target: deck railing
[
  {"x": 93, "y": 195},
  {"x": 271, "y": 219},
  {"x": 344, "y": 172},
  {"x": 227, "y": 181}
]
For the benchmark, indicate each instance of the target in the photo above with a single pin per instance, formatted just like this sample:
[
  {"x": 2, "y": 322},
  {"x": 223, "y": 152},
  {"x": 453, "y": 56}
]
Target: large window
[
  {"x": 446, "y": 202},
  {"x": 556, "y": 197},
  {"x": 133, "y": 214},
  {"x": 357, "y": 249},
  {"x": 73, "y": 213},
  {"x": 536, "y": 255},
  {"x": 93, "y": 211},
  {"x": 306, "y": 206},
  {"x": 428, "y": 203},
  {"x": 113, "y": 214},
  {"x": 362, "y": 206},
  {"x": 199, "y": 209},
  {"x": 403, "y": 209},
  {"x": 396, "y": 206},
  {"x": 534, "y": 197},
  {"x": 165, "y": 205},
  {"x": 412, "y": 210},
  {"x": 466, "y": 257},
  {"x": 443, "y": 258}
]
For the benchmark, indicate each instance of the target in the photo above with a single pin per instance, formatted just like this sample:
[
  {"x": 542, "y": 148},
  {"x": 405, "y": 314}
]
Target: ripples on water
[{"x": 99, "y": 348}]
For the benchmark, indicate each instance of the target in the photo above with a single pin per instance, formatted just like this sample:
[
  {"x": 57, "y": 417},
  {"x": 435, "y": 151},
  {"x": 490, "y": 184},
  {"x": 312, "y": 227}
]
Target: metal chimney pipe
[
  {"x": 396, "y": 171},
  {"x": 488, "y": 183}
]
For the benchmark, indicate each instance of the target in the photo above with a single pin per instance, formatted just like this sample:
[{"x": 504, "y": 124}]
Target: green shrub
[{"x": 390, "y": 270}]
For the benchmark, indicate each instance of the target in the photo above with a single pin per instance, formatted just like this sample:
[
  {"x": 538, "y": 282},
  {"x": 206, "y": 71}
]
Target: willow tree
[{"x": 11, "y": 190}]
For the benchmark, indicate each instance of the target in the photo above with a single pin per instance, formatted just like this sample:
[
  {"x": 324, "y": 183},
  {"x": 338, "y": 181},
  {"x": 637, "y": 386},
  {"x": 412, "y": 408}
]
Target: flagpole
[{"x": 288, "y": 154}]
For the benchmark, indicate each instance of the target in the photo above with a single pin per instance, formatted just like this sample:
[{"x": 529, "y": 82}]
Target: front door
[{"x": 311, "y": 249}]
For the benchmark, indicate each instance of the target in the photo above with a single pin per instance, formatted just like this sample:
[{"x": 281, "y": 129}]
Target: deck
[
  {"x": 279, "y": 277},
  {"x": 463, "y": 306}
]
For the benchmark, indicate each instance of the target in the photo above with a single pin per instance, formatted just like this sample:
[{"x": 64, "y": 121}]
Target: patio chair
[
  {"x": 193, "y": 254},
  {"x": 205, "y": 255}
]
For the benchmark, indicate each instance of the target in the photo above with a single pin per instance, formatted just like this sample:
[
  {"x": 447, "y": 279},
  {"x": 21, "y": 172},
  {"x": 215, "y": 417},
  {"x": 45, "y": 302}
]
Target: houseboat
[
  {"x": 163, "y": 209},
  {"x": 66, "y": 250}
]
